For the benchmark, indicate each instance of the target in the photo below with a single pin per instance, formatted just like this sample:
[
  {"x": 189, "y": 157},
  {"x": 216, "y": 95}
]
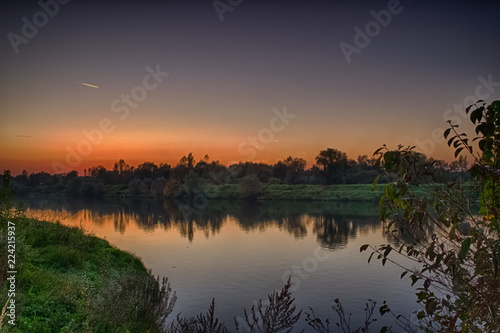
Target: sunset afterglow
[{"x": 174, "y": 79}]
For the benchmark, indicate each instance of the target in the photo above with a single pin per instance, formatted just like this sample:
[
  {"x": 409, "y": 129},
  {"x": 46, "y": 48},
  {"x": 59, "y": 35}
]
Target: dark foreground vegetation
[
  {"x": 287, "y": 179},
  {"x": 456, "y": 255}
]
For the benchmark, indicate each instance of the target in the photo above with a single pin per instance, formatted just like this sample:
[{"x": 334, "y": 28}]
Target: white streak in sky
[{"x": 86, "y": 84}]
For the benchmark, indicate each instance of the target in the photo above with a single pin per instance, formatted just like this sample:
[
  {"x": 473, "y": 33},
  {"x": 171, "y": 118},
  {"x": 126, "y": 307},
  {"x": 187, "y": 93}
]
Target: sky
[{"x": 88, "y": 83}]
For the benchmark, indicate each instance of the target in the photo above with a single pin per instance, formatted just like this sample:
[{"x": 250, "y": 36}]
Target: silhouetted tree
[
  {"x": 145, "y": 170},
  {"x": 289, "y": 169},
  {"x": 191, "y": 183},
  {"x": 332, "y": 163},
  {"x": 186, "y": 163}
]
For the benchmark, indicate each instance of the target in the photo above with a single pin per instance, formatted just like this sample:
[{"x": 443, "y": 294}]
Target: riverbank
[
  {"x": 68, "y": 281},
  {"x": 266, "y": 192},
  {"x": 306, "y": 192},
  {"x": 299, "y": 192}
]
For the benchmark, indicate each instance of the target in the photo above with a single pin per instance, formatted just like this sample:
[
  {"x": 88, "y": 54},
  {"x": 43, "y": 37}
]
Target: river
[{"x": 238, "y": 252}]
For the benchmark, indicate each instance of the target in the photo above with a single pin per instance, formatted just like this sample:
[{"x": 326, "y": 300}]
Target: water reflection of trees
[
  {"x": 334, "y": 230},
  {"x": 332, "y": 223}
]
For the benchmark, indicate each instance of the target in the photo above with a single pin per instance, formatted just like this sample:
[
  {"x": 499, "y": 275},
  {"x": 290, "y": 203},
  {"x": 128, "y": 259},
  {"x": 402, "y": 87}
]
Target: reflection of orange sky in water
[
  {"x": 115, "y": 226},
  {"x": 238, "y": 258}
]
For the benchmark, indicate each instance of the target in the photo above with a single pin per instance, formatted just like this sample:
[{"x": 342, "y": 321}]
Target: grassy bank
[
  {"x": 303, "y": 192},
  {"x": 350, "y": 192},
  {"x": 346, "y": 192},
  {"x": 68, "y": 281}
]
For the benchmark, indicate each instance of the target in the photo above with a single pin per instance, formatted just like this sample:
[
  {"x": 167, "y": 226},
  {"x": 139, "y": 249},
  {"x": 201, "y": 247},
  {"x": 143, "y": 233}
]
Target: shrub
[
  {"x": 455, "y": 249},
  {"x": 204, "y": 322},
  {"x": 87, "y": 189},
  {"x": 171, "y": 188},
  {"x": 250, "y": 187},
  {"x": 73, "y": 187},
  {"x": 157, "y": 186},
  {"x": 99, "y": 190},
  {"x": 136, "y": 187},
  {"x": 274, "y": 181},
  {"x": 279, "y": 315},
  {"x": 144, "y": 302},
  {"x": 58, "y": 187}
]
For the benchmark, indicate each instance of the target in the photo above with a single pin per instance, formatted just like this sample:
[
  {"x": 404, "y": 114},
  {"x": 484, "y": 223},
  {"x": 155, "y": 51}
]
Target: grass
[
  {"x": 306, "y": 192},
  {"x": 361, "y": 192},
  {"x": 68, "y": 281},
  {"x": 302, "y": 192}
]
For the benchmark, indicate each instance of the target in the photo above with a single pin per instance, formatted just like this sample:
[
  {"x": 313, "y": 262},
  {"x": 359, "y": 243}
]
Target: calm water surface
[{"x": 238, "y": 252}]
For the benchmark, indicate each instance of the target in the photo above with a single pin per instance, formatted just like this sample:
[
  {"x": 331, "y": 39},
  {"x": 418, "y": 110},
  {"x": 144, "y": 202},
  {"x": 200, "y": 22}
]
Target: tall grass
[{"x": 71, "y": 282}]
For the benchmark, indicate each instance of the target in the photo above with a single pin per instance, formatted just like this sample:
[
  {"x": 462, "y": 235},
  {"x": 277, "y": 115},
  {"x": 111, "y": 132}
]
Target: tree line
[{"x": 331, "y": 166}]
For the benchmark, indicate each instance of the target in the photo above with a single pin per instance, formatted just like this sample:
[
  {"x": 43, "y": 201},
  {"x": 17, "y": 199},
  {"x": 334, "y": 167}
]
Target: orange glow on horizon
[{"x": 36, "y": 161}]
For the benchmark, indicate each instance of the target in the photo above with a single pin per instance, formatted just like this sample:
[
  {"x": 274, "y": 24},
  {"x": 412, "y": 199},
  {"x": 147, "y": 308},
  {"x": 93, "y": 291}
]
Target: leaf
[
  {"x": 363, "y": 247},
  {"x": 458, "y": 151},
  {"x": 384, "y": 309},
  {"x": 388, "y": 250},
  {"x": 464, "y": 249},
  {"x": 446, "y": 133},
  {"x": 370, "y": 257},
  {"x": 450, "y": 141},
  {"x": 476, "y": 115},
  {"x": 375, "y": 182},
  {"x": 452, "y": 231},
  {"x": 420, "y": 315},
  {"x": 439, "y": 258},
  {"x": 377, "y": 151},
  {"x": 403, "y": 274},
  {"x": 414, "y": 279},
  {"x": 427, "y": 284},
  {"x": 482, "y": 144}
]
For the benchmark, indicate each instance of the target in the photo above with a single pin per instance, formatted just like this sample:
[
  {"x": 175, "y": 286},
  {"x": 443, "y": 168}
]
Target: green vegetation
[
  {"x": 261, "y": 191},
  {"x": 455, "y": 250},
  {"x": 307, "y": 192},
  {"x": 362, "y": 192},
  {"x": 68, "y": 281},
  {"x": 244, "y": 180}
]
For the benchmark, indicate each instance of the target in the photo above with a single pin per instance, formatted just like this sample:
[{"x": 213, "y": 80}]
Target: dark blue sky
[{"x": 226, "y": 77}]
